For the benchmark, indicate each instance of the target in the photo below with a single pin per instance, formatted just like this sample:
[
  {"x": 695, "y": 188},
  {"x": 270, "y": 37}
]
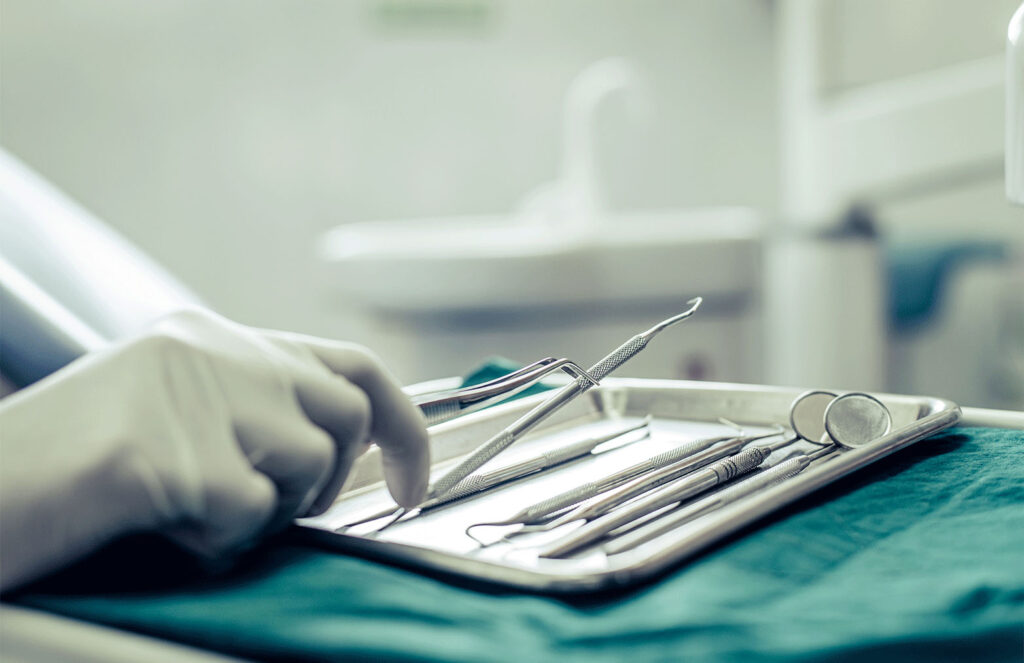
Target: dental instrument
[
  {"x": 438, "y": 407},
  {"x": 609, "y": 500},
  {"x": 478, "y": 483},
  {"x": 851, "y": 420},
  {"x": 504, "y": 438},
  {"x": 673, "y": 493},
  {"x": 856, "y": 419},
  {"x": 675, "y": 462},
  {"x": 807, "y": 414},
  {"x": 598, "y": 372},
  {"x": 675, "y": 518}
]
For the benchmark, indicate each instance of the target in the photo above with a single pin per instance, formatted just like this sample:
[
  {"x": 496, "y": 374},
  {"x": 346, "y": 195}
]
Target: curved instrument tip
[
  {"x": 693, "y": 304},
  {"x": 481, "y": 542}
]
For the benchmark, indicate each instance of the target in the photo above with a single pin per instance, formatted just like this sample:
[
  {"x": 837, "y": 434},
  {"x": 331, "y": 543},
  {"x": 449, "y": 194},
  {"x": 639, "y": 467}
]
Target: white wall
[
  {"x": 865, "y": 42},
  {"x": 224, "y": 137}
]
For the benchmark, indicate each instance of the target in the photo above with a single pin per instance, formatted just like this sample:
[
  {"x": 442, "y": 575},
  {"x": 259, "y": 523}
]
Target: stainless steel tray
[{"x": 682, "y": 411}]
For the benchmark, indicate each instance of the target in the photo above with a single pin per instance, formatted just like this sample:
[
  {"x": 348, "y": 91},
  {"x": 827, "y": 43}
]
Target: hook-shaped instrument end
[
  {"x": 693, "y": 304},
  {"x": 499, "y": 523}
]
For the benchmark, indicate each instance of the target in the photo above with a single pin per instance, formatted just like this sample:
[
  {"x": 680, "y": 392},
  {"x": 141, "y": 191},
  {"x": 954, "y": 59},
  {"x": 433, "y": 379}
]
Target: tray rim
[{"x": 649, "y": 560}]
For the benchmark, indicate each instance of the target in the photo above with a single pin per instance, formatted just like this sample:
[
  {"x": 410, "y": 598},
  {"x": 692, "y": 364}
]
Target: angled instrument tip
[
  {"x": 481, "y": 542},
  {"x": 469, "y": 533},
  {"x": 693, "y": 304}
]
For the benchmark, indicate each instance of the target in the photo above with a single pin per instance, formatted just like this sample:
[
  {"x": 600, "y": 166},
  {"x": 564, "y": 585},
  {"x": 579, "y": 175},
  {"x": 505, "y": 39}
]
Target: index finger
[{"x": 398, "y": 426}]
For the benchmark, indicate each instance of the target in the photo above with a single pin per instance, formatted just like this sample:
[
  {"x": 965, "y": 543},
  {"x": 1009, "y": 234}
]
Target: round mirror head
[
  {"x": 856, "y": 419},
  {"x": 807, "y": 414}
]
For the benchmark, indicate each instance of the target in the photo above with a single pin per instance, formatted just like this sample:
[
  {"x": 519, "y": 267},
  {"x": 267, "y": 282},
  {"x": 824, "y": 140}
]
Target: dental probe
[
  {"x": 646, "y": 483},
  {"x": 675, "y": 492},
  {"x": 655, "y": 528},
  {"x": 683, "y": 458},
  {"x": 598, "y": 371},
  {"x": 477, "y": 483},
  {"x": 506, "y": 437}
]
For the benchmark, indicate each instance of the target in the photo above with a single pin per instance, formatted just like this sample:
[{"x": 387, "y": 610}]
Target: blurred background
[{"x": 447, "y": 180}]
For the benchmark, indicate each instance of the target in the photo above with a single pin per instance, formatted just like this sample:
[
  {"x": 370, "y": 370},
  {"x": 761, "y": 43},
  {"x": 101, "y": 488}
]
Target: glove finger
[
  {"x": 238, "y": 509},
  {"x": 343, "y": 410},
  {"x": 296, "y": 456},
  {"x": 398, "y": 426}
]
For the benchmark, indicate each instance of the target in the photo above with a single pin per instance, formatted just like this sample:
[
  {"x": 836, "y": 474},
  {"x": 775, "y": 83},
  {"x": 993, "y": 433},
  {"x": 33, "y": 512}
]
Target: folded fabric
[{"x": 917, "y": 557}]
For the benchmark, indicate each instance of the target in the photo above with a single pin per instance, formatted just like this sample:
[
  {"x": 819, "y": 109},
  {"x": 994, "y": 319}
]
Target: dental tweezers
[{"x": 438, "y": 407}]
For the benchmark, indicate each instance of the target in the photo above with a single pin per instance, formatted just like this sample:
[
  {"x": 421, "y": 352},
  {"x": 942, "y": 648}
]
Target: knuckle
[
  {"x": 238, "y": 511},
  {"x": 185, "y": 324},
  {"x": 191, "y": 316},
  {"x": 318, "y": 451},
  {"x": 256, "y": 503},
  {"x": 365, "y": 363},
  {"x": 360, "y": 404},
  {"x": 360, "y": 411},
  {"x": 161, "y": 344}
]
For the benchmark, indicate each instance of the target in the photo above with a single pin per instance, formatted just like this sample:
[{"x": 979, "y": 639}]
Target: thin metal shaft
[
  {"x": 676, "y": 518},
  {"x": 685, "y": 458},
  {"x": 599, "y": 371},
  {"x": 602, "y": 504},
  {"x": 688, "y": 456},
  {"x": 477, "y": 483},
  {"x": 675, "y": 492}
]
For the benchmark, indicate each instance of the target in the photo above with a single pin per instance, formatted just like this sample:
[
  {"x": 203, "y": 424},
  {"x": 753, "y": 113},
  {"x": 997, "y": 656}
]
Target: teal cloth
[
  {"x": 920, "y": 271},
  {"x": 919, "y": 557}
]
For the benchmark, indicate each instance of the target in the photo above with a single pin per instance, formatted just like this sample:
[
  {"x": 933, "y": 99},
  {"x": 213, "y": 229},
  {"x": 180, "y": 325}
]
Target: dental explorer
[
  {"x": 675, "y": 492},
  {"x": 673, "y": 519},
  {"x": 676, "y": 462},
  {"x": 603, "y": 504},
  {"x": 503, "y": 439}
]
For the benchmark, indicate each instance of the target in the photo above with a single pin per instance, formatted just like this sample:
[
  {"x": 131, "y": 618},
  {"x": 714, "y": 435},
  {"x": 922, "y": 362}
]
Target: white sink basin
[{"x": 488, "y": 262}]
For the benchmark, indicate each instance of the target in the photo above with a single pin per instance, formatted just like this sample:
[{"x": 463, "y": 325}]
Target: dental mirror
[
  {"x": 855, "y": 419},
  {"x": 807, "y": 414}
]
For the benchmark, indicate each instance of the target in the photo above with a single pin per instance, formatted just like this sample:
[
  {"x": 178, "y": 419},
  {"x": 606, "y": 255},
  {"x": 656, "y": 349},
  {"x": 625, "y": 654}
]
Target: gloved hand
[{"x": 209, "y": 431}]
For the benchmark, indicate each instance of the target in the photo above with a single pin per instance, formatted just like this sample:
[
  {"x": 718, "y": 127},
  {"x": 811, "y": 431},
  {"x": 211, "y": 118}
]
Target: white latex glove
[{"x": 203, "y": 429}]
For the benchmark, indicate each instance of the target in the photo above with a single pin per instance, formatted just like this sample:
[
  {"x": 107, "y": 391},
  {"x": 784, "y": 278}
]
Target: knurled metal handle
[
  {"x": 477, "y": 459},
  {"x": 627, "y": 350},
  {"x": 468, "y": 486},
  {"x": 741, "y": 463}
]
